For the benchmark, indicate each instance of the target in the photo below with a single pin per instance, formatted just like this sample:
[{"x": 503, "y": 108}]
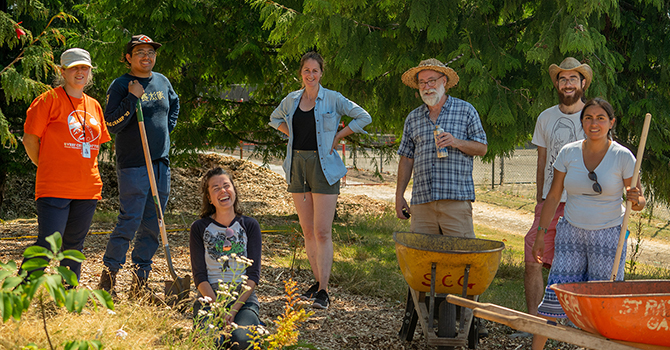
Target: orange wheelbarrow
[
  {"x": 612, "y": 315},
  {"x": 632, "y": 311},
  {"x": 439, "y": 265}
]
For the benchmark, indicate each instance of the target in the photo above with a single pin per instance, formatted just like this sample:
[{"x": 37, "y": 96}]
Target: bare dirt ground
[{"x": 352, "y": 321}]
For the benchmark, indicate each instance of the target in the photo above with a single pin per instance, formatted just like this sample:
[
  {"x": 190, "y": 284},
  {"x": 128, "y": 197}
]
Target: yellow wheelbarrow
[{"x": 441, "y": 265}]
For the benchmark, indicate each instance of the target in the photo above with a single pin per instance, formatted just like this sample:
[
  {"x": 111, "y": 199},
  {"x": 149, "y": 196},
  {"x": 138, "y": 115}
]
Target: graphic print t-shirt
[
  {"x": 553, "y": 130},
  {"x": 219, "y": 242},
  {"x": 62, "y": 171},
  {"x": 210, "y": 241}
]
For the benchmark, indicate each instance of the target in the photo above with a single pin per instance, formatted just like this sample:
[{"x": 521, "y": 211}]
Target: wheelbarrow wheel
[
  {"x": 446, "y": 323},
  {"x": 473, "y": 336}
]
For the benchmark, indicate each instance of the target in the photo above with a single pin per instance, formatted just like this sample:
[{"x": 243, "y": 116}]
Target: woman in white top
[{"x": 594, "y": 172}]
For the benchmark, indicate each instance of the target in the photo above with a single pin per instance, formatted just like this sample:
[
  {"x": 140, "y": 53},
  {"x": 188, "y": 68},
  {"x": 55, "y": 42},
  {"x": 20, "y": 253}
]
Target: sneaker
[
  {"x": 321, "y": 300},
  {"x": 309, "y": 294}
]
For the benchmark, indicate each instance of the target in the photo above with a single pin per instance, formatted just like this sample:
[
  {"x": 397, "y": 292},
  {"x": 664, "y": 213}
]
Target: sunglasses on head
[{"x": 596, "y": 185}]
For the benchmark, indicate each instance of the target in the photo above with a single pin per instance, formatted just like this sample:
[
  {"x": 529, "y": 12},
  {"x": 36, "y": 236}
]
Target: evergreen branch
[
  {"x": 539, "y": 42},
  {"x": 235, "y": 135},
  {"x": 20, "y": 56},
  {"x": 256, "y": 142},
  {"x": 497, "y": 81},
  {"x": 369, "y": 26}
]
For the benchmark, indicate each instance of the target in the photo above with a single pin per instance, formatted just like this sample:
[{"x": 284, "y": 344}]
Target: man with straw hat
[
  {"x": 555, "y": 127},
  {"x": 443, "y": 188}
]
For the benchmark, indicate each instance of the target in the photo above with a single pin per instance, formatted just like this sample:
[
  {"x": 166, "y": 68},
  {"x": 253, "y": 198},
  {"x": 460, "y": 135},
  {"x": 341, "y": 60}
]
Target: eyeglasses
[
  {"x": 142, "y": 53},
  {"x": 596, "y": 185},
  {"x": 564, "y": 81},
  {"x": 430, "y": 82}
]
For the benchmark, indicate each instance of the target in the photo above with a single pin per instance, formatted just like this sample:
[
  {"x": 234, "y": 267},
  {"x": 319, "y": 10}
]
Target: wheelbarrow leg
[
  {"x": 446, "y": 323},
  {"x": 473, "y": 336},
  {"x": 409, "y": 319}
]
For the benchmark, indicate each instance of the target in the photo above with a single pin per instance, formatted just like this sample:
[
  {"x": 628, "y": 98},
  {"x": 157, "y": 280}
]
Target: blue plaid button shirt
[{"x": 441, "y": 178}]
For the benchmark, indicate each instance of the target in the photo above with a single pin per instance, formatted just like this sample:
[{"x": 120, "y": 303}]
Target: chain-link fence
[
  {"x": 518, "y": 169},
  {"x": 514, "y": 174}
]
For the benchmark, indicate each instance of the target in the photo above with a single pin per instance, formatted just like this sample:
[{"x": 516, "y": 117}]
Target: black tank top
[{"x": 304, "y": 130}]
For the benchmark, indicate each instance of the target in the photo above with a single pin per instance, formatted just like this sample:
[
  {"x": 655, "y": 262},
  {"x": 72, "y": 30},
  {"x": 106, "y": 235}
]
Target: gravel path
[{"x": 653, "y": 252}]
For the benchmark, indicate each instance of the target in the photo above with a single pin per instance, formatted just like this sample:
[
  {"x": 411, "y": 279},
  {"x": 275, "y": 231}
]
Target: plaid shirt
[{"x": 441, "y": 178}]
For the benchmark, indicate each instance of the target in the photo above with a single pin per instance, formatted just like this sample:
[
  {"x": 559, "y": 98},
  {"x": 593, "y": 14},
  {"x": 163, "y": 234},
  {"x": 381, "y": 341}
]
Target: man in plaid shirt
[{"x": 443, "y": 189}]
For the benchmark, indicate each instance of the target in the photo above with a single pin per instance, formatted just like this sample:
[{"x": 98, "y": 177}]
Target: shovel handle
[
  {"x": 154, "y": 189},
  {"x": 629, "y": 204}
]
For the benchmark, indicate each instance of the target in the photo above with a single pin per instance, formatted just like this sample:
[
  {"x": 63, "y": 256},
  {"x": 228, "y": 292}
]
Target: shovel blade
[{"x": 180, "y": 287}]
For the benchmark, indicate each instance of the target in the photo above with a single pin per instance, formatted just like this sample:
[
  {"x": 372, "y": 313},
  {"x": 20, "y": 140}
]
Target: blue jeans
[
  {"x": 137, "y": 218},
  {"x": 71, "y": 217},
  {"x": 241, "y": 337}
]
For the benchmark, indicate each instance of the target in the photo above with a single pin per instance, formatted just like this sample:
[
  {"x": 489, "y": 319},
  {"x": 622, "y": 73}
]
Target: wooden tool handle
[{"x": 633, "y": 183}]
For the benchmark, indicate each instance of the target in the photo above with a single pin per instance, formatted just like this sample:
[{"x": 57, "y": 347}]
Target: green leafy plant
[
  {"x": 34, "y": 283},
  {"x": 635, "y": 247},
  {"x": 214, "y": 312},
  {"x": 286, "y": 335}
]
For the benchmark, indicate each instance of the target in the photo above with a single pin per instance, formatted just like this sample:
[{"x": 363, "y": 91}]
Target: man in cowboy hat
[
  {"x": 555, "y": 127},
  {"x": 443, "y": 189},
  {"x": 137, "y": 218}
]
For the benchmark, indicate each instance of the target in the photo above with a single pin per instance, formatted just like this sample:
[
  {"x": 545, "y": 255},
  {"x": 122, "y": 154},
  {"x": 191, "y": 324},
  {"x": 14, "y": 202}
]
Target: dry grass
[{"x": 146, "y": 326}]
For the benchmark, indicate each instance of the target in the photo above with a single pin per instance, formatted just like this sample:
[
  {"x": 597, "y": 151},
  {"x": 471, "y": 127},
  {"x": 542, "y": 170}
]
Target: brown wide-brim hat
[
  {"x": 410, "y": 78},
  {"x": 571, "y": 63}
]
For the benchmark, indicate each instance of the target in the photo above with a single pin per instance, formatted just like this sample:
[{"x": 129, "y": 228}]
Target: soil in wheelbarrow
[{"x": 352, "y": 321}]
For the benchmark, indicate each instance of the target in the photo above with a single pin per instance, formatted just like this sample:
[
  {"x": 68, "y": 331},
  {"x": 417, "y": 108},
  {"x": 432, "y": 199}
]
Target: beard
[
  {"x": 570, "y": 100},
  {"x": 433, "y": 99}
]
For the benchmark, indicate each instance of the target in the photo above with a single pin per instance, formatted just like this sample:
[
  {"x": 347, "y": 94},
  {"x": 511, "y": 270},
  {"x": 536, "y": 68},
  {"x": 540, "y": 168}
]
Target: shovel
[
  {"x": 180, "y": 286},
  {"x": 629, "y": 204}
]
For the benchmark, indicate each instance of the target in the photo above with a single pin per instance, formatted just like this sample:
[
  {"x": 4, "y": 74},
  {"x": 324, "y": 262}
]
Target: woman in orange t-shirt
[{"x": 63, "y": 132}]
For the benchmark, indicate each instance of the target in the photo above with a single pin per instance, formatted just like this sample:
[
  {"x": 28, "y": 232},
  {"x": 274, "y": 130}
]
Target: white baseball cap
[{"x": 75, "y": 57}]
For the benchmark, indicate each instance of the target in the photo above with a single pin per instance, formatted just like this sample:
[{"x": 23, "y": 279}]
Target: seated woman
[
  {"x": 218, "y": 239},
  {"x": 594, "y": 172}
]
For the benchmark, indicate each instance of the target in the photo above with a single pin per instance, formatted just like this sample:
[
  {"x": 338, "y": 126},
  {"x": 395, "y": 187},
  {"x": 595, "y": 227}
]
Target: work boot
[
  {"x": 139, "y": 290},
  {"x": 107, "y": 281}
]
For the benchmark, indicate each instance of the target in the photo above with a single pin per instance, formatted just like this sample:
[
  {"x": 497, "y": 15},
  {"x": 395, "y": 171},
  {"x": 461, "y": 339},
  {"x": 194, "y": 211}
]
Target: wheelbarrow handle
[
  {"x": 154, "y": 189},
  {"x": 552, "y": 330},
  {"x": 626, "y": 216},
  {"x": 537, "y": 325}
]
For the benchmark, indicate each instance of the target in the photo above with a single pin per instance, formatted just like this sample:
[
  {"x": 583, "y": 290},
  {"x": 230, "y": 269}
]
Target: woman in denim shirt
[{"x": 313, "y": 168}]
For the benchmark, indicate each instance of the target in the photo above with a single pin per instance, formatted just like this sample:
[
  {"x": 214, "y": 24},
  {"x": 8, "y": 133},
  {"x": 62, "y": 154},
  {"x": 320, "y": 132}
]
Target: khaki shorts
[
  {"x": 446, "y": 217},
  {"x": 307, "y": 176}
]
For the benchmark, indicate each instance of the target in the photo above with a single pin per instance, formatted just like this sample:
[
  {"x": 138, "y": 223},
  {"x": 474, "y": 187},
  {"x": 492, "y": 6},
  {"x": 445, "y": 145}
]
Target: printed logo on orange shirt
[{"x": 77, "y": 132}]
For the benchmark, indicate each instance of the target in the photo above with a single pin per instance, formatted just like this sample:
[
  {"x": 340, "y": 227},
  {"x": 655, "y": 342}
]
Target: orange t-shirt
[{"x": 62, "y": 170}]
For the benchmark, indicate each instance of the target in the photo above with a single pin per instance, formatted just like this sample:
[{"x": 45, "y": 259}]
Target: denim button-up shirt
[{"x": 329, "y": 109}]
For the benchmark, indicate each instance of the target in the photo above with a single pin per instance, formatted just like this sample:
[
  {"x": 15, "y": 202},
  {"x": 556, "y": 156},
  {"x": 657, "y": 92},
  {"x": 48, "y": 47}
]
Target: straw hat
[
  {"x": 571, "y": 63},
  {"x": 410, "y": 76}
]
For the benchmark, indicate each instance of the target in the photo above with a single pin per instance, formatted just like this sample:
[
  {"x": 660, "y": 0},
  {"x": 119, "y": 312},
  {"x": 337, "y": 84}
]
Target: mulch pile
[{"x": 352, "y": 321}]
